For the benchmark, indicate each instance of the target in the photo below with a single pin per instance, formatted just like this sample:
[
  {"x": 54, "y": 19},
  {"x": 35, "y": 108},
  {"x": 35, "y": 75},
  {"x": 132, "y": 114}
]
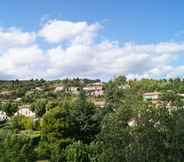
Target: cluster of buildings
[
  {"x": 69, "y": 90},
  {"x": 93, "y": 89},
  {"x": 6, "y": 93},
  {"x": 155, "y": 97},
  {"x": 22, "y": 111}
]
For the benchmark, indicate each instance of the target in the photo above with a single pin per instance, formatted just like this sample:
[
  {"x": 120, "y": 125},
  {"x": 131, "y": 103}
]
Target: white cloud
[
  {"x": 107, "y": 59},
  {"x": 55, "y": 31},
  {"x": 166, "y": 71},
  {"x": 13, "y": 37},
  {"x": 23, "y": 63},
  {"x": 24, "y": 58}
]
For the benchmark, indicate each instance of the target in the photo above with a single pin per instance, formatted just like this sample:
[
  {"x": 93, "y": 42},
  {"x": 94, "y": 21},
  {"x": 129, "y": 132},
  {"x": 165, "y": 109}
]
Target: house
[
  {"x": 25, "y": 111},
  {"x": 126, "y": 86},
  {"x": 59, "y": 89},
  {"x": 3, "y": 116},
  {"x": 155, "y": 98},
  {"x": 181, "y": 94},
  {"x": 99, "y": 103},
  {"x": 38, "y": 89},
  {"x": 132, "y": 122},
  {"x": 151, "y": 96},
  {"x": 6, "y": 93},
  {"x": 95, "y": 89},
  {"x": 18, "y": 99},
  {"x": 73, "y": 90},
  {"x": 69, "y": 90}
]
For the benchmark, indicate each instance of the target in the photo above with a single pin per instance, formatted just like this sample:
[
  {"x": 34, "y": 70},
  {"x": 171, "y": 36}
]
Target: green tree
[
  {"x": 85, "y": 119},
  {"x": 115, "y": 91},
  {"x": 9, "y": 108},
  {"x": 39, "y": 107},
  {"x": 115, "y": 135},
  {"x": 79, "y": 152},
  {"x": 21, "y": 123},
  {"x": 20, "y": 92},
  {"x": 17, "y": 148},
  {"x": 156, "y": 135}
]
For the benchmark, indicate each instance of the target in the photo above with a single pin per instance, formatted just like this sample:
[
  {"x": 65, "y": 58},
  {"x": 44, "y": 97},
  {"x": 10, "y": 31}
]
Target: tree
[
  {"x": 156, "y": 135},
  {"x": 86, "y": 122},
  {"x": 17, "y": 148},
  {"x": 39, "y": 107},
  {"x": 56, "y": 123},
  {"x": 79, "y": 152},
  {"x": 9, "y": 108},
  {"x": 21, "y": 123},
  {"x": 115, "y": 91},
  {"x": 172, "y": 98},
  {"x": 20, "y": 92},
  {"x": 115, "y": 135}
]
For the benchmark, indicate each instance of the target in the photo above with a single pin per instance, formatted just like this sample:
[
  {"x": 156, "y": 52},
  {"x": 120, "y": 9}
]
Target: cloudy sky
[{"x": 75, "y": 38}]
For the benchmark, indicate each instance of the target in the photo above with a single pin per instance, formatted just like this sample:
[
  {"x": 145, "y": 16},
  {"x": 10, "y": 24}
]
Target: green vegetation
[{"x": 72, "y": 128}]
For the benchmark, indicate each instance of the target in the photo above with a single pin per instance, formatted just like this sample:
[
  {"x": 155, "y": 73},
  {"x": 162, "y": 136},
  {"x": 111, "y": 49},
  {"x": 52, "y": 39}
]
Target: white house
[
  {"x": 132, "y": 122},
  {"x": 59, "y": 89},
  {"x": 18, "y": 99},
  {"x": 3, "y": 116},
  {"x": 73, "y": 90},
  {"x": 25, "y": 111},
  {"x": 181, "y": 94},
  {"x": 126, "y": 86}
]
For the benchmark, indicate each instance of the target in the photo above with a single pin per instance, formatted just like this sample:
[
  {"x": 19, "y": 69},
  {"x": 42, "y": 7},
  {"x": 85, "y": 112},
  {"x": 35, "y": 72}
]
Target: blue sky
[
  {"x": 149, "y": 29},
  {"x": 125, "y": 20}
]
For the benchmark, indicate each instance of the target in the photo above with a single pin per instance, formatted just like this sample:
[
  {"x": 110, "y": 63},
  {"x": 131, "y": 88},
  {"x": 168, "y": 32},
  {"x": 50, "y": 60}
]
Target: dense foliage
[{"x": 70, "y": 128}]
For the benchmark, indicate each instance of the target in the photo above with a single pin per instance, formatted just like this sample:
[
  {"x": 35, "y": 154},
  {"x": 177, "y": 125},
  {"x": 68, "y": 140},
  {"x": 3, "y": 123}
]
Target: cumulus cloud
[
  {"x": 55, "y": 31},
  {"x": 24, "y": 57},
  {"x": 23, "y": 63},
  {"x": 107, "y": 59},
  {"x": 13, "y": 37}
]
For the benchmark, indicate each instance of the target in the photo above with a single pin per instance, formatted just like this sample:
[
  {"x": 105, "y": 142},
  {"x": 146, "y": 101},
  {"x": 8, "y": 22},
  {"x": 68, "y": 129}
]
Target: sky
[{"x": 91, "y": 39}]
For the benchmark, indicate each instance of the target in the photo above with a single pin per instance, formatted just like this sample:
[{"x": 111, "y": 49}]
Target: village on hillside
[{"x": 21, "y": 95}]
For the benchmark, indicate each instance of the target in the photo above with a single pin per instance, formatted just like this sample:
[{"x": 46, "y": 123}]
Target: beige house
[
  {"x": 99, "y": 103},
  {"x": 151, "y": 95},
  {"x": 154, "y": 97},
  {"x": 181, "y": 94},
  {"x": 95, "y": 89},
  {"x": 6, "y": 93},
  {"x": 38, "y": 89},
  {"x": 59, "y": 89},
  {"x": 25, "y": 111}
]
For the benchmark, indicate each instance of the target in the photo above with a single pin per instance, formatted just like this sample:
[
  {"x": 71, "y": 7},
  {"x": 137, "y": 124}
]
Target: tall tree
[{"x": 86, "y": 122}]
